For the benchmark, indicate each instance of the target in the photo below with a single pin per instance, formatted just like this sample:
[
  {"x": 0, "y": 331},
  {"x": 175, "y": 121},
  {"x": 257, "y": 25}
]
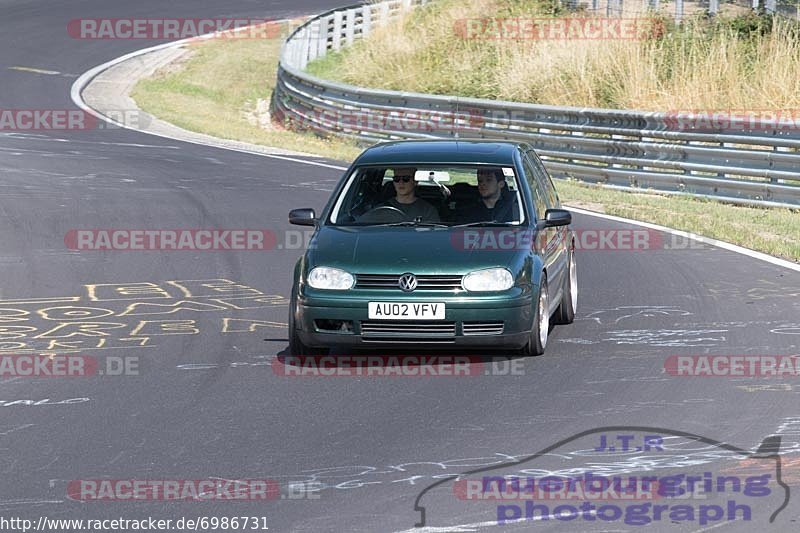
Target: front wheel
[
  {"x": 541, "y": 323},
  {"x": 569, "y": 294}
]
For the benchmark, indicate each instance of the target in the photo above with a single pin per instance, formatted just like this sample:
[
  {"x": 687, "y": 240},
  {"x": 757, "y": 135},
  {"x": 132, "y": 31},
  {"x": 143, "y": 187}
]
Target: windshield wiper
[
  {"x": 411, "y": 223},
  {"x": 483, "y": 223}
]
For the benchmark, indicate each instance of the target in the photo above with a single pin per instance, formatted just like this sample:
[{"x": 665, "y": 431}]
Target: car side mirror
[
  {"x": 302, "y": 217},
  {"x": 557, "y": 217}
]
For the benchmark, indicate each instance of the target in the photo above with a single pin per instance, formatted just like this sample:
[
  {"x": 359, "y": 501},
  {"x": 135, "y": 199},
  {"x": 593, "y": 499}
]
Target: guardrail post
[
  {"x": 614, "y": 137},
  {"x": 713, "y": 7},
  {"x": 722, "y": 174},
  {"x": 780, "y": 149},
  {"x": 576, "y": 134}
]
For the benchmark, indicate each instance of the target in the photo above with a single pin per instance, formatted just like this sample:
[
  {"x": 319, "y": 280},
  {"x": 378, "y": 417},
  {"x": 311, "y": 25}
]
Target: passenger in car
[{"x": 495, "y": 202}]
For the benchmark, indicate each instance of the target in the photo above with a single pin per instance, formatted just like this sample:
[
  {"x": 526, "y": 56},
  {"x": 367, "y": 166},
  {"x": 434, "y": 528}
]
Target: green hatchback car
[{"x": 436, "y": 243}]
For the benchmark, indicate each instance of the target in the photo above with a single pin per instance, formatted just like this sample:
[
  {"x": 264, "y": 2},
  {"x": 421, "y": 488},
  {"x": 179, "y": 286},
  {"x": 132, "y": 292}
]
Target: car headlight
[
  {"x": 491, "y": 279},
  {"x": 330, "y": 278}
]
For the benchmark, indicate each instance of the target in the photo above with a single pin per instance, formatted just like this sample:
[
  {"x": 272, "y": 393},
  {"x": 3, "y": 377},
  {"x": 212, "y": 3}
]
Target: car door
[{"x": 554, "y": 240}]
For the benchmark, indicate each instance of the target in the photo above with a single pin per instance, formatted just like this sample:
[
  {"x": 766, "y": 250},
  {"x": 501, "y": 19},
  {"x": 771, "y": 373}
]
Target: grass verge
[
  {"x": 736, "y": 61},
  {"x": 224, "y": 89},
  {"x": 217, "y": 91},
  {"x": 772, "y": 231}
]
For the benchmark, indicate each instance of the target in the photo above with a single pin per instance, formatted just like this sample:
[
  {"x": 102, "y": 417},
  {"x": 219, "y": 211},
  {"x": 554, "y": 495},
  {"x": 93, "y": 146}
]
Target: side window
[
  {"x": 546, "y": 183},
  {"x": 535, "y": 187}
]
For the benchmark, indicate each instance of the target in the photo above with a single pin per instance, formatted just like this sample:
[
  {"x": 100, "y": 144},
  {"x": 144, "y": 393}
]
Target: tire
[
  {"x": 569, "y": 295},
  {"x": 296, "y": 346},
  {"x": 540, "y": 327}
]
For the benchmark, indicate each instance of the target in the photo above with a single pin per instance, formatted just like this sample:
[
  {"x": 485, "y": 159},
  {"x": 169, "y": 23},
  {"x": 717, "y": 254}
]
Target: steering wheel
[{"x": 384, "y": 214}]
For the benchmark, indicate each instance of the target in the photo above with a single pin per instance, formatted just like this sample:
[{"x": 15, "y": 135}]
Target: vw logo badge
[{"x": 407, "y": 282}]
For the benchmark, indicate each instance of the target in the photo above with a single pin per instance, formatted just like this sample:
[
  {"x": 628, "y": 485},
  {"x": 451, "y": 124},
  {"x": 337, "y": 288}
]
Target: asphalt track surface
[{"x": 207, "y": 403}]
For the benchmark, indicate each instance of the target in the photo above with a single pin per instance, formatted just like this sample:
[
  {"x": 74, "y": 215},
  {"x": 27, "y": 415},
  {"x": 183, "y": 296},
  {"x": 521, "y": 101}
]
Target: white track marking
[
  {"x": 35, "y": 70},
  {"x": 699, "y": 238}
]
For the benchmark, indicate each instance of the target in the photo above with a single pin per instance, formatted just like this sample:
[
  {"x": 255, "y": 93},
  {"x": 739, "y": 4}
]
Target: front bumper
[{"x": 487, "y": 321}]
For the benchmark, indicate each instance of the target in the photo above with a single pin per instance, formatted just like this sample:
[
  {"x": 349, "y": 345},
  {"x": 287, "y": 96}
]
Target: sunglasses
[{"x": 405, "y": 179}]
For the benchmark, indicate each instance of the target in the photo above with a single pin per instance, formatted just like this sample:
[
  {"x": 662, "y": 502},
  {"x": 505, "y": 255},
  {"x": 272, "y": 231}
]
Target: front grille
[
  {"x": 483, "y": 328},
  {"x": 408, "y": 331},
  {"x": 424, "y": 282}
]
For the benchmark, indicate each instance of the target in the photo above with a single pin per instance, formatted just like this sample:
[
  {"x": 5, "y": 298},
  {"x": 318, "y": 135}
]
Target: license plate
[{"x": 406, "y": 311}]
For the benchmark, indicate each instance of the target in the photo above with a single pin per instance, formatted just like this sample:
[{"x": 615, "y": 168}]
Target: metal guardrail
[
  {"x": 680, "y": 9},
  {"x": 745, "y": 164}
]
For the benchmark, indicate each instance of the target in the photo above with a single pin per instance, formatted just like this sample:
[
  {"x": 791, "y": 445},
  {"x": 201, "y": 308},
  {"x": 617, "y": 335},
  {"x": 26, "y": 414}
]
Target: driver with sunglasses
[{"x": 405, "y": 186}]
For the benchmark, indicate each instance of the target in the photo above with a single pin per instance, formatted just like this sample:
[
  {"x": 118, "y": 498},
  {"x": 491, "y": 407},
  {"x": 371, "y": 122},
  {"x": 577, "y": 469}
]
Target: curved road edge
[
  {"x": 106, "y": 88},
  {"x": 104, "y": 91}
]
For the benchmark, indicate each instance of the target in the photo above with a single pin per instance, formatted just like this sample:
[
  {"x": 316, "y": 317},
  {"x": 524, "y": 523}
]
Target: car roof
[{"x": 440, "y": 152}]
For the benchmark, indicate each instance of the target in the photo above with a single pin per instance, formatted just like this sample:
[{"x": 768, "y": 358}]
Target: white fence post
[
  {"x": 305, "y": 47},
  {"x": 366, "y": 15},
  {"x": 350, "y": 26},
  {"x": 337, "y": 31},
  {"x": 313, "y": 45},
  {"x": 383, "y": 14},
  {"x": 322, "y": 36}
]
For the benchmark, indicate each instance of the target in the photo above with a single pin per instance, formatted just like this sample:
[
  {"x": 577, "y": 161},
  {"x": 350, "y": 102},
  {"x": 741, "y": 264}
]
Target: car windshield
[{"x": 429, "y": 195}]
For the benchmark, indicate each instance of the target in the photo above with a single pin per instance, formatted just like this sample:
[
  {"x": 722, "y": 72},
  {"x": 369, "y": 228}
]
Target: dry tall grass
[{"x": 696, "y": 67}]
